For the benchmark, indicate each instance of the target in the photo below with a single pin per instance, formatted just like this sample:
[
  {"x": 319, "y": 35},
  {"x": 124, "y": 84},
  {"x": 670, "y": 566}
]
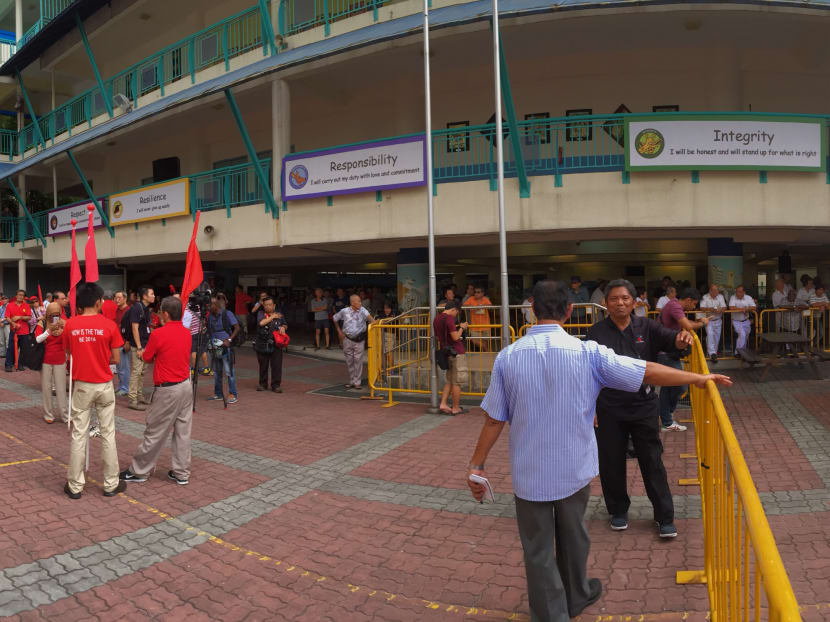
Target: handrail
[
  {"x": 49, "y": 10},
  {"x": 731, "y": 505}
]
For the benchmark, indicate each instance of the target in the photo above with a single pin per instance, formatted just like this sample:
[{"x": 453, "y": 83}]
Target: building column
[
  {"x": 18, "y": 32},
  {"x": 21, "y": 273},
  {"x": 726, "y": 263},
  {"x": 281, "y": 136}
]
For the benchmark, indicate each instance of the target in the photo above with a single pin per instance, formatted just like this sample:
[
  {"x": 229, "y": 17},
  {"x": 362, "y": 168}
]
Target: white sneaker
[
  {"x": 94, "y": 431},
  {"x": 674, "y": 427}
]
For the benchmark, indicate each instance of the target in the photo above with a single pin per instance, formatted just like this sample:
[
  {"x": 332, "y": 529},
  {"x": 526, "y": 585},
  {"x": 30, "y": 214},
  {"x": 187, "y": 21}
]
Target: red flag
[
  {"x": 193, "y": 275},
  {"x": 74, "y": 271},
  {"x": 39, "y": 295},
  {"x": 90, "y": 255}
]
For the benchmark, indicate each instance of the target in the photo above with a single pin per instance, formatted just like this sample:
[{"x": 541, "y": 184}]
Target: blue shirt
[
  {"x": 546, "y": 385},
  {"x": 217, "y": 327}
]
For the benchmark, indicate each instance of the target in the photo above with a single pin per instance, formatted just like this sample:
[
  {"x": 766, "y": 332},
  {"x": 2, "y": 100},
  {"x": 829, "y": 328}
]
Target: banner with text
[
  {"x": 396, "y": 163},
  {"x": 728, "y": 142},
  {"x": 165, "y": 200},
  {"x": 60, "y": 219}
]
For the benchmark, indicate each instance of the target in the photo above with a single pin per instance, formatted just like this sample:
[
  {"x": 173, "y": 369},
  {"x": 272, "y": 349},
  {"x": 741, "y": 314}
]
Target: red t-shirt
[
  {"x": 90, "y": 339},
  {"x": 442, "y": 326},
  {"x": 239, "y": 305},
  {"x": 22, "y": 326},
  {"x": 109, "y": 309},
  {"x": 170, "y": 347},
  {"x": 119, "y": 313},
  {"x": 671, "y": 314},
  {"x": 54, "y": 354}
]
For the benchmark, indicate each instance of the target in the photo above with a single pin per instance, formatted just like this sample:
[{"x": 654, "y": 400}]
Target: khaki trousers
[
  {"x": 49, "y": 375},
  {"x": 171, "y": 407},
  {"x": 353, "y": 351},
  {"x": 85, "y": 395},
  {"x": 137, "y": 366}
]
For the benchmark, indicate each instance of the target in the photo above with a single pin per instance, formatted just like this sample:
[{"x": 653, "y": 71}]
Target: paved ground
[{"x": 306, "y": 506}]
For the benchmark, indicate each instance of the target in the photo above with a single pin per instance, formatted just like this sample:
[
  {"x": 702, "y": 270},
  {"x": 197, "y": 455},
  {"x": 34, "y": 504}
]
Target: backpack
[
  {"x": 126, "y": 326},
  {"x": 228, "y": 328}
]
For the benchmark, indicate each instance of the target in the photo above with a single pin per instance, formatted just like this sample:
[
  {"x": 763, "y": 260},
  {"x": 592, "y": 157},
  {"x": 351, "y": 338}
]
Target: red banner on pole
[
  {"x": 74, "y": 271},
  {"x": 193, "y": 275},
  {"x": 90, "y": 254}
]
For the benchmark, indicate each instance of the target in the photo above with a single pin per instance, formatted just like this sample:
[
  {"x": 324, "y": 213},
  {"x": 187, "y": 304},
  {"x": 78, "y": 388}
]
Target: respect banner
[
  {"x": 59, "y": 220},
  {"x": 165, "y": 200},
  {"x": 726, "y": 143},
  {"x": 396, "y": 163}
]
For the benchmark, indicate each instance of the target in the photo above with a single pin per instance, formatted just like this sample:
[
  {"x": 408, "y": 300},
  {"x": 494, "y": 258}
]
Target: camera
[{"x": 199, "y": 301}]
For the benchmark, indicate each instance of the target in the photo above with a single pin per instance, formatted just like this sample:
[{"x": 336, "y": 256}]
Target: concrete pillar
[
  {"x": 726, "y": 263},
  {"x": 21, "y": 273},
  {"x": 280, "y": 138},
  {"x": 18, "y": 19}
]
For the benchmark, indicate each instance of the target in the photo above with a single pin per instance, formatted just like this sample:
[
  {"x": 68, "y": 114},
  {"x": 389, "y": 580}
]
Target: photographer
[
  {"x": 268, "y": 352},
  {"x": 52, "y": 372},
  {"x": 223, "y": 328}
]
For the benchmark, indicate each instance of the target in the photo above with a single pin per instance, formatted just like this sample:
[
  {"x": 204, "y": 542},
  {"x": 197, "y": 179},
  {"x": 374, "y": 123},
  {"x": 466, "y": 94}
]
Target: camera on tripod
[{"x": 199, "y": 301}]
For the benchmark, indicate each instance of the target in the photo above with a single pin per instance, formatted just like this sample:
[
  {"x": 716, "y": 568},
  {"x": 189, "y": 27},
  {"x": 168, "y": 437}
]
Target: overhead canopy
[{"x": 62, "y": 24}]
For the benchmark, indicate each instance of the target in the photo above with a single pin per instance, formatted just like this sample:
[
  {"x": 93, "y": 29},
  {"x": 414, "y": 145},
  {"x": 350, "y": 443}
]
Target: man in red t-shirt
[
  {"x": 449, "y": 338},
  {"x": 109, "y": 309},
  {"x": 92, "y": 341},
  {"x": 53, "y": 370},
  {"x": 172, "y": 405},
  {"x": 240, "y": 308},
  {"x": 18, "y": 312}
]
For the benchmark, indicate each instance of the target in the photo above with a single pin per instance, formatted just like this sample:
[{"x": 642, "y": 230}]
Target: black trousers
[
  {"x": 557, "y": 582},
  {"x": 612, "y": 441},
  {"x": 274, "y": 360},
  {"x": 21, "y": 342}
]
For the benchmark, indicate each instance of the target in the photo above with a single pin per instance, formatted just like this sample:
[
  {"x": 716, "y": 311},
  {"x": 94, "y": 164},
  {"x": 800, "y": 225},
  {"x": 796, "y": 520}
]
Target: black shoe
[
  {"x": 667, "y": 530},
  {"x": 181, "y": 481},
  {"x": 713, "y": 358},
  {"x": 277, "y": 390},
  {"x": 69, "y": 493},
  {"x": 129, "y": 476},
  {"x": 595, "y": 587},
  {"x": 619, "y": 522},
  {"x": 122, "y": 486},
  {"x": 259, "y": 387}
]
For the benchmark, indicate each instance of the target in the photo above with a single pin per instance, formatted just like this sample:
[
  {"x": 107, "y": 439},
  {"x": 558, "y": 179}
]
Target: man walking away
[
  {"x": 673, "y": 317},
  {"x": 353, "y": 335},
  {"x": 139, "y": 319},
  {"x": 172, "y": 404},
  {"x": 268, "y": 353},
  {"x": 546, "y": 385},
  {"x": 714, "y": 305},
  {"x": 92, "y": 341},
  {"x": 123, "y": 370},
  {"x": 744, "y": 305},
  {"x": 621, "y": 414},
  {"x": 222, "y": 330},
  {"x": 449, "y": 338}
]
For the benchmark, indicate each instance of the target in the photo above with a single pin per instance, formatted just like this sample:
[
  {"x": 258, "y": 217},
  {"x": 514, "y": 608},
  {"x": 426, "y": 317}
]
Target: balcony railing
[
  {"x": 49, "y": 9},
  {"x": 298, "y": 15}
]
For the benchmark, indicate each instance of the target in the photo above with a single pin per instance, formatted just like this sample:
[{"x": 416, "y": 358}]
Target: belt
[{"x": 170, "y": 384}]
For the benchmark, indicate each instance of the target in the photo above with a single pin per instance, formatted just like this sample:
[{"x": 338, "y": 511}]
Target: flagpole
[
  {"x": 433, "y": 372},
  {"x": 505, "y": 300}
]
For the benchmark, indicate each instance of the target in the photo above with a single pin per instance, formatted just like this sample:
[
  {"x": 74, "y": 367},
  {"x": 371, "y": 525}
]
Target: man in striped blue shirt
[{"x": 546, "y": 385}]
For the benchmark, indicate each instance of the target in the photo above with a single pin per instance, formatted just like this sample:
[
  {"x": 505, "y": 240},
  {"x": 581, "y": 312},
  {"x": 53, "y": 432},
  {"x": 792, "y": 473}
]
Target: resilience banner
[
  {"x": 730, "y": 142},
  {"x": 395, "y": 163},
  {"x": 59, "y": 220},
  {"x": 165, "y": 200}
]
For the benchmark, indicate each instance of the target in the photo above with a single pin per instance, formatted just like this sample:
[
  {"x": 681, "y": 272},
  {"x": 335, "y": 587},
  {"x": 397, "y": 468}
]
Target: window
[
  {"x": 208, "y": 49},
  {"x": 458, "y": 141},
  {"x": 579, "y": 131}
]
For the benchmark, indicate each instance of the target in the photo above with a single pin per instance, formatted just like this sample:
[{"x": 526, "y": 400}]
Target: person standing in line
[
  {"x": 478, "y": 318},
  {"x": 353, "y": 335},
  {"x": 109, "y": 308},
  {"x": 671, "y": 294},
  {"x": 449, "y": 294},
  {"x": 92, "y": 341},
  {"x": 598, "y": 295},
  {"x": 222, "y": 330},
  {"x": 172, "y": 406},
  {"x": 546, "y": 385},
  {"x": 241, "y": 301},
  {"x": 819, "y": 306},
  {"x": 802, "y": 298},
  {"x": 139, "y": 321},
  {"x": 714, "y": 305},
  {"x": 320, "y": 309},
  {"x": 18, "y": 313},
  {"x": 268, "y": 352},
  {"x": 527, "y": 308},
  {"x": 743, "y": 304},
  {"x": 123, "y": 370},
  {"x": 641, "y": 305},
  {"x": 469, "y": 293},
  {"x": 53, "y": 370},
  {"x": 673, "y": 317},
  {"x": 621, "y": 414},
  {"x": 449, "y": 334},
  {"x": 341, "y": 301},
  {"x": 4, "y": 325}
]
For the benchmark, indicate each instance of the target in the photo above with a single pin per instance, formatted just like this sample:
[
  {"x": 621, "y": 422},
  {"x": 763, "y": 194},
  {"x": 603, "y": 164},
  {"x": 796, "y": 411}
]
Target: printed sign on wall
[
  {"x": 729, "y": 142},
  {"x": 166, "y": 200},
  {"x": 396, "y": 163}
]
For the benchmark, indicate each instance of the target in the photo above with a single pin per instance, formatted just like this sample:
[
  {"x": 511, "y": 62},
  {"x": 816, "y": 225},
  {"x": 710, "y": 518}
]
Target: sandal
[{"x": 446, "y": 411}]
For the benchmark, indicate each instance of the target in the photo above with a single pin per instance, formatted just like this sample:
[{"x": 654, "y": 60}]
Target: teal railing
[
  {"x": 49, "y": 9},
  {"x": 299, "y": 15},
  {"x": 215, "y": 45},
  {"x": 228, "y": 187},
  {"x": 8, "y": 143},
  {"x": 14, "y": 230}
]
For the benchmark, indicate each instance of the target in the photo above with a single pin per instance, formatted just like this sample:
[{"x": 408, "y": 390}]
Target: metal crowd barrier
[
  {"x": 728, "y": 336},
  {"x": 743, "y": 570}
]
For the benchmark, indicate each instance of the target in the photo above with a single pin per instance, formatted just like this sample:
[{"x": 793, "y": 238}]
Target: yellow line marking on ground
[{"x": 5, "y": 464}]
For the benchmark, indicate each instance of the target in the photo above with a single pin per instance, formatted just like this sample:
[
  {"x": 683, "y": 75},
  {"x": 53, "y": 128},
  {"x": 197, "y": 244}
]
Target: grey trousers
[
  {"x": 171, "y": 407},
  {"x": 353, "y": 351},
  {"x": 556, "y": 577}
]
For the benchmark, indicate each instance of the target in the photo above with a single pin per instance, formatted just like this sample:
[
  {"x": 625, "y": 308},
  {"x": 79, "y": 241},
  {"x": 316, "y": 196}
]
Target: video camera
[{"x": 199, "y": 301}]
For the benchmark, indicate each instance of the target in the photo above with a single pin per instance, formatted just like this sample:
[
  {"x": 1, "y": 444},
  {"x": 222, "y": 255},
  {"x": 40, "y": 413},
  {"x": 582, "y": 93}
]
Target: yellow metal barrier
[
  {"x": 728, "y": 336},
  {"x": 743, "y": 570}
]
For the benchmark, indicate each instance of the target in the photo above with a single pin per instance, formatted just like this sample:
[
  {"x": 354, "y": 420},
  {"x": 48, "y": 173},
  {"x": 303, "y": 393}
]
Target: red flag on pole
[
  {"x": 39, "y": 295},
  {"x": 90, "y": 254},
  {"x": 193, "y": 275},
  {"x": 74, "y": 271}
]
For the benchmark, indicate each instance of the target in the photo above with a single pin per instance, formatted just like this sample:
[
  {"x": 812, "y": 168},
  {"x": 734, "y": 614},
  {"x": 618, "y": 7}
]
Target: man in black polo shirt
[
  {"x": 620, "y": 413},
  {"x": 138, "y": 336}
]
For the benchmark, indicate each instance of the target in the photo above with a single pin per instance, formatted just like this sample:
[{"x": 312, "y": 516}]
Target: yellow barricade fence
[
  {"x": 812, "y": 323},
  {"x": 743, "y": 570},
  {"x": 723, "y": 332}
]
